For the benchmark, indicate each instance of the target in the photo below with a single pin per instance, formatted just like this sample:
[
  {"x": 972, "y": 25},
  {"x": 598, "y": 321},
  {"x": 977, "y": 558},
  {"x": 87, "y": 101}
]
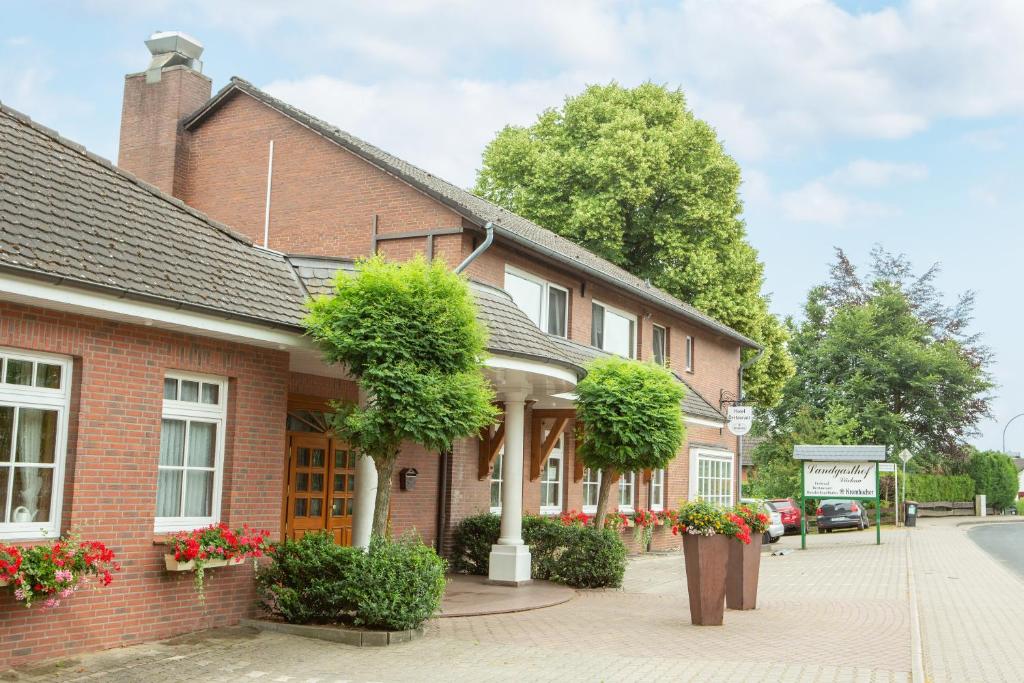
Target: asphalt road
[{"x": 1003, "y": 541}]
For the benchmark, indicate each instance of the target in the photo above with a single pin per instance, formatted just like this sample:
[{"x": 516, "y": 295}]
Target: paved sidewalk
[
  {"x": 971, "y": 605},
  {"x": 810, "y": 605}
]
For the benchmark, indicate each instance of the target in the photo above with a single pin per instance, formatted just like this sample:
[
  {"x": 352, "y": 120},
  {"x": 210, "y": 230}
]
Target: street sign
[
  {"x": 906, "y": 455},
  {"x": 840, "y": 480},
  {"x": 741, "y": 419},
  {"x": 886, "y": 467}
]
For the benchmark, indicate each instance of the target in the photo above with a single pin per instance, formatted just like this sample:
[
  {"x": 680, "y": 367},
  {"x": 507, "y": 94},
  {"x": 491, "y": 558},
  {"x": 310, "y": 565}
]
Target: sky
[{"x": 855, "y": 123}]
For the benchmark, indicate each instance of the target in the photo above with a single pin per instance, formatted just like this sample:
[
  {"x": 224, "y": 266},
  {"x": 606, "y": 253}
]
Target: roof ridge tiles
[{"x": 54, "y": 135}]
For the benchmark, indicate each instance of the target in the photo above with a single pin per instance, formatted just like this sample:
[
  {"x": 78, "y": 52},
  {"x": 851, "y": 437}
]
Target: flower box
[
  {"x": 174, "y": 565},
  {"x": 4, "y": 582},
  {"x": 707, "y": 561},
  {"x": 744, "y": 567}
]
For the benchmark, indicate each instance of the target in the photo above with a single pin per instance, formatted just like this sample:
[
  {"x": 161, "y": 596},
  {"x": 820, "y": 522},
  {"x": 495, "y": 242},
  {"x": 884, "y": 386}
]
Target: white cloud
[
  {"x": 817, "y": 202},
  {"x": 868, "y": 173}
]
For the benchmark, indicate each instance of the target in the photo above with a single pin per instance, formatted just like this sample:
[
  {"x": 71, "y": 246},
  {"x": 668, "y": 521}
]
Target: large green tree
[
  {"x": 995, "y": 476},
  {"x": 633, "y": 175},
  {"x": 408, "y": 334},
  {"x": 631, "y": 418},
  {"x": 886, "y": 357}
]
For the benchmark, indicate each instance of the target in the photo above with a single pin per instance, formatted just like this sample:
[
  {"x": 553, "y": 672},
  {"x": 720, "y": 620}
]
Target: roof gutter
[
  {"x": 484, "y": 246},
  {"x": 124, "y": 293}
]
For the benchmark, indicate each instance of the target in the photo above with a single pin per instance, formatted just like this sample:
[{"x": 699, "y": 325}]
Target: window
[
  {"x": 496, "y": 482},
  {"x": 591, "y": 489},
  {"x": 551, "y": 482},
  {"x": 613, "y": 330},
  {"x": 657, "y": 490},
  {"x": 626, "y": 488},
  {"x": 713, "y": 481},
  {"x": 191, "y": 452},
  {"x": 659, "y": 338},
  {"x": 35, "y": 391},
  {"x": 689, "y": 353},
  {"x": 546, "y": 304}
]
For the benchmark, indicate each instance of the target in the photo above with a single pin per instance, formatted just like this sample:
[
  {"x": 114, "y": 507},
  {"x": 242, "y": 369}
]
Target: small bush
[
  {"x": 472, "y": 541},
  {"x": 579, "y": 556},
  {"x": 396, "y": 585},
  {"x": 400, "y": 584}
]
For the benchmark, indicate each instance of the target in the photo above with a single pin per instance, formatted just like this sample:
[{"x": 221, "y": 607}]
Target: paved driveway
[{"x": 810, "y": 604}]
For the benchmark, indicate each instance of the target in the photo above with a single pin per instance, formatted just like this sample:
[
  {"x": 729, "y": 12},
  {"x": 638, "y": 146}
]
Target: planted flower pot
[
  {"x": 707, "y": 561},
  {"x": 174, "y": 565},
  {"x": 744, "y": 568}
]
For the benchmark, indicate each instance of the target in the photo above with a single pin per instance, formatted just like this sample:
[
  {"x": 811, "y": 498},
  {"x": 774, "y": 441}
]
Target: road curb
[{"x": 917, "y": 672}]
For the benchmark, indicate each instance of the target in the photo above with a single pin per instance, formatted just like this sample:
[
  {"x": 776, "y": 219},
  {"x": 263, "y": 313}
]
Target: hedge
[
  {"x": 578, "y": 556},
  {"x": 995, "y": 476},
  {"x": 395, "y": 585},
  {"x": 929, "y": 488}
]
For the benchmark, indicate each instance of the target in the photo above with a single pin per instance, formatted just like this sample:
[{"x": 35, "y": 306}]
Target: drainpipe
[
  {"x": 479, "y": 250},
  {"x": 739, "y": 439},
  {"x": 442, "y": 498}
]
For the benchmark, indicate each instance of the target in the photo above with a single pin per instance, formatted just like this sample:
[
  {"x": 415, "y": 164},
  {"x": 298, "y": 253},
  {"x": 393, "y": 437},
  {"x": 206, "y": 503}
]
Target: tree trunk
[
  {"x": 607, "y": 479},
  {"x": 385, "y": 465}
]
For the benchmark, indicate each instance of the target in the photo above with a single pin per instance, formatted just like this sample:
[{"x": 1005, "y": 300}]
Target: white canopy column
[{"x": 510, "y": 557}]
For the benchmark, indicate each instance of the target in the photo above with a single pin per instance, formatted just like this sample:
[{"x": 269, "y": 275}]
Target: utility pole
[{"x": 1007, "y": 426}]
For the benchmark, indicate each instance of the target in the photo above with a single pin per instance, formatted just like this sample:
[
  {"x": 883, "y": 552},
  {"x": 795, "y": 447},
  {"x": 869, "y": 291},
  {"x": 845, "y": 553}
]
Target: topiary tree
[
  {"x": 408, "y": 334},
  {"x": 994, "y": 476},
  {"x": 632, "y": 420}
]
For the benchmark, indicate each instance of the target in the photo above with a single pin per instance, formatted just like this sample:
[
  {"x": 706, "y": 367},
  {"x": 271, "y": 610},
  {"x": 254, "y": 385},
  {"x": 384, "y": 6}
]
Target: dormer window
[{"x": 545, "y": 303}]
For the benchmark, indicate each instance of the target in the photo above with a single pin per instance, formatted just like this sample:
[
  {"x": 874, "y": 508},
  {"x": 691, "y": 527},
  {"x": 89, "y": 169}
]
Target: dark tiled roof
[
  {"x": 510, "y": 332},
  {"x": 694, "y": 405},
  {"x": 67, "y": 214},
  {"x": 508, "y": 224},
  {"x": 750, "y": 444}
]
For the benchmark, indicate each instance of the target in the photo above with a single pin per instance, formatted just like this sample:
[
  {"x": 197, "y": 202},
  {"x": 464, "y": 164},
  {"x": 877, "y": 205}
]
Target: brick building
[{"x": 154, "y": 376}]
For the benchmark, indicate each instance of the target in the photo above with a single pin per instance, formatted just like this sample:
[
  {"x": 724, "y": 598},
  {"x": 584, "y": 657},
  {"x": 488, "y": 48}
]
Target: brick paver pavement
[
  {"x": 971, "y": 606},
  {"x": 838, "y": 612}
]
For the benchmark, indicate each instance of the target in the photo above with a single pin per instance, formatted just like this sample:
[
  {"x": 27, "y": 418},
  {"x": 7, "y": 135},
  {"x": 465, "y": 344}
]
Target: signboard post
[
  {"x": 847, "y": 472},
  {"x": 891, "y": 467}
]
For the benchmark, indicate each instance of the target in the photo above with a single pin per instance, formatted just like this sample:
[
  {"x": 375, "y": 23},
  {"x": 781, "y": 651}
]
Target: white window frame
[
  {"x": 632, "y": 492},
  {"x": 625, "y": 314},
  {"x": 657, "y": 485},
  {"x": 545, "y": 297},
  {"x": 556, "y": 452},
  {"x": 689, "y": 353},
  {"x": 596, "y": 483},
  {"x": 664, "y": 330},
  {"x": 200, "y": 412},
  {"x": 714, "y": 458},
  {"x": 496, "y": 478},
  {"x": 22, "y": 396}
]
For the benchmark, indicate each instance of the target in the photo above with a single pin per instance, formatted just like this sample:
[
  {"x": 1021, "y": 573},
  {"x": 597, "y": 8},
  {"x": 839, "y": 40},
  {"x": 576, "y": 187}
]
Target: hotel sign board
[{"x": 840, "y": 480}]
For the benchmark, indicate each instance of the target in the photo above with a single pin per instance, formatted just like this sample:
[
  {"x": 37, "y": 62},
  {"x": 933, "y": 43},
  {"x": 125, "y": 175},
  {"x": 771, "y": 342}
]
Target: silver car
[{"x": 776, "y": 529}]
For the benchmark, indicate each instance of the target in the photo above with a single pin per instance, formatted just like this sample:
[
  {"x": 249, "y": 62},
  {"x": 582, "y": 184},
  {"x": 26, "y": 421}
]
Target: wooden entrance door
[{"x": 320, "y": 488}]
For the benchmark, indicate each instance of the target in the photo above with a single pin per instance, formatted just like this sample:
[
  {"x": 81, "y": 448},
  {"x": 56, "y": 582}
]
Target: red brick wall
[
  {"x": 110, "y": 486},
  {"x": 323, "y": 199},
  {"x": 151, "y": 134}
]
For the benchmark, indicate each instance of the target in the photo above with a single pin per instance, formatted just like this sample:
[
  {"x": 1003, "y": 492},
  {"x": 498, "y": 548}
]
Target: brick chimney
[{"x": 153, "y": 144}]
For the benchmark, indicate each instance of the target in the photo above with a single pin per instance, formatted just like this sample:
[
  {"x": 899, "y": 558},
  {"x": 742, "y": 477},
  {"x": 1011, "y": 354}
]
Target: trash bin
[{"x": 910, "y": 513}]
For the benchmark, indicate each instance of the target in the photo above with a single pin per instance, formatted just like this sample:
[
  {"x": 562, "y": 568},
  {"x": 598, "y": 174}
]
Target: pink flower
[
  {"x": 20, "y": 594},
  {"x": 66, "y": 593},
  {"x": 63, "y": 575},
  {"x": 51, "y": 603}
]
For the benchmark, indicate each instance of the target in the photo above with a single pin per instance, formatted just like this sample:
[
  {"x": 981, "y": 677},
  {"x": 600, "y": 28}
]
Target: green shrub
[
  {"x": 396, "y": 585},
  {"x": 995, "y": 476},
  {"x": 400, "y": 584},
  {"x": 577, "y": 556},
  {"x": 928, "y": 488},
  {"x": 472, "y": 541}
]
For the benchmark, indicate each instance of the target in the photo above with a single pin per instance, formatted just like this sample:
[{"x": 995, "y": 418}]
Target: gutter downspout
[
  {"x": 488, "y": 240},
  {"x": 739, "y": 439}
]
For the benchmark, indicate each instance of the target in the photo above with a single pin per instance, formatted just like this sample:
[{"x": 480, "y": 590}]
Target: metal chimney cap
[{"x": 182, "y": 43}]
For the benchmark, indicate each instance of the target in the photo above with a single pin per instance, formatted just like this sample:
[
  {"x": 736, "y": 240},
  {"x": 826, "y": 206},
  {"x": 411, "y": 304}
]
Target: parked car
[
  {"x": 790, "y": 512},
  {"x": 841, "y": 514},
  {"x": 776, "y": 529}
]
